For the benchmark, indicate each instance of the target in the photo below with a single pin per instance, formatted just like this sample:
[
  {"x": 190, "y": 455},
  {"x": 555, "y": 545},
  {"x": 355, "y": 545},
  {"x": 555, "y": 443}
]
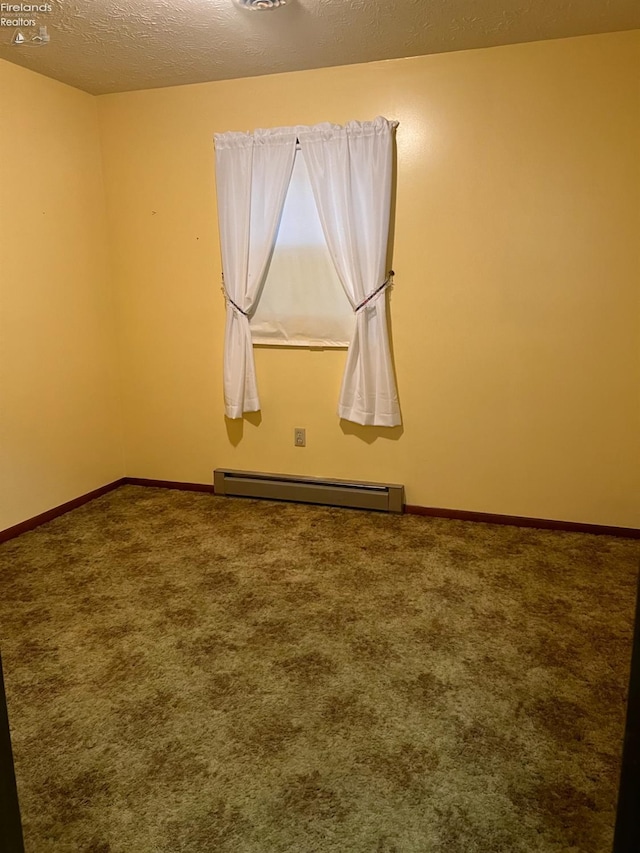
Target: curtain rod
[{"x": 393, "y": 122}]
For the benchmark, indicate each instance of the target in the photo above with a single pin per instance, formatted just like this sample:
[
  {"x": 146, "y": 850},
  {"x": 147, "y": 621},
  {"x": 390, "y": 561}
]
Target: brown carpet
[{"x": 191, "y": 673}]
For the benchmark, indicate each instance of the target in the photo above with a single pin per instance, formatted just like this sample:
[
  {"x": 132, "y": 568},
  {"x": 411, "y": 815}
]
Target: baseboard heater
[{"x": 312, "y": 490}]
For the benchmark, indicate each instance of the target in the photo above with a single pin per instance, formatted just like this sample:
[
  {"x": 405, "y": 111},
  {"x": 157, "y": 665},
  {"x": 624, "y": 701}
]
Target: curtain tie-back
[
  {"x": 385, "y": 283},
  {"x": 229, "y": 300}
]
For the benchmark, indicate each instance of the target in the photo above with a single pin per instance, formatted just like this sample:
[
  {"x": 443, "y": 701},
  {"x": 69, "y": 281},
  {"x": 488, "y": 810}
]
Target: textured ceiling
[{"x": 118, "y": 45}]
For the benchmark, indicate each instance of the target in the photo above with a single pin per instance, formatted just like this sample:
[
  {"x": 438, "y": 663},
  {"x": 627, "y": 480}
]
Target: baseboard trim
[
  {"x": 168, "y": 484},
  {"x": 523, "y": 521},
  {"x": 50, "y": 514},
  {"x": 412, "y": 509}
]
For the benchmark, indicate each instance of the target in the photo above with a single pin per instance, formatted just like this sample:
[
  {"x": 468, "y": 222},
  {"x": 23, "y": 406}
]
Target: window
[
  {"x": 351, "y": 169},
  {"x": 302, "y": 302}
]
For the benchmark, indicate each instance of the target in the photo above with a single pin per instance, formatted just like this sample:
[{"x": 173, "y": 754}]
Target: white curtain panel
[
  {"x": 350, "y": 171},
  {"x": 252, "y": 175}
]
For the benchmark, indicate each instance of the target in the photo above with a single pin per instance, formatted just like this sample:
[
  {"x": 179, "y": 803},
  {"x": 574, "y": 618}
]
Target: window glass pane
[{"x": 302, "y": 302}]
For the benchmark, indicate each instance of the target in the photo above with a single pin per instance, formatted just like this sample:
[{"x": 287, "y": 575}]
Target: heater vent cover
[{"x": 385, "y": 497}]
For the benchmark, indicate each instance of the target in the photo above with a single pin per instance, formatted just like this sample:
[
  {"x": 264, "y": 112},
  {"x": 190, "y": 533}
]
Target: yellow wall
[
  {"x": 515, "y": 315},
  {"x": 60, "y": 428},
  {"x": 516, "y": 310}
]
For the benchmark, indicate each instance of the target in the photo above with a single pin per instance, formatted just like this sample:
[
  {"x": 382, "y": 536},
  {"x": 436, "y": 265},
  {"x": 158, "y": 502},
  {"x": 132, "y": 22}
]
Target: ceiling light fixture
[{"x": 260, "y": 5}]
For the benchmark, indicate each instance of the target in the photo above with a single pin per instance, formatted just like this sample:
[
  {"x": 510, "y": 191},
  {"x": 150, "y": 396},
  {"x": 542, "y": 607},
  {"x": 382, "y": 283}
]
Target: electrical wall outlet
[{"x": 300, "y": 437}]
